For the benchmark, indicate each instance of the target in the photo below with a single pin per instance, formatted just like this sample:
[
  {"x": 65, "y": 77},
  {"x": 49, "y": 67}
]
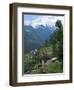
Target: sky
[{"x": 44, "y": 20}]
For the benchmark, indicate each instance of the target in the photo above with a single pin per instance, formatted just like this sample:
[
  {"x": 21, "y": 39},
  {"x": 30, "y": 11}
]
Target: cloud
[{"x": 27, "y": 22}]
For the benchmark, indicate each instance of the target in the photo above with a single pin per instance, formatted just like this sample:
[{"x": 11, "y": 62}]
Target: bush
[{"x": 29, "y": 63}]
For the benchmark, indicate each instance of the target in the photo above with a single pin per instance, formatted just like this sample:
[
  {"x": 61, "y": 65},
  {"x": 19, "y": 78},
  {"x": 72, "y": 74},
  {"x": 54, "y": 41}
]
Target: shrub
[{"x": 29, "y": 63}]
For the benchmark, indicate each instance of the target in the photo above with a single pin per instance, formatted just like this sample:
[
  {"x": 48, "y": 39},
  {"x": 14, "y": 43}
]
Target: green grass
[{"x": 55, "y": 67}]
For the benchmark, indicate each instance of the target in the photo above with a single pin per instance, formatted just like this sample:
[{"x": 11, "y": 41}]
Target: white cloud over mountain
[{"x": 44, "y": 20}]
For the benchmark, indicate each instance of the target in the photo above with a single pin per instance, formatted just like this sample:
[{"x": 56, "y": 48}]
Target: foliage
[
  {"x": 29, "y": 63},
  {"x": 54, "y": 67},
  {"x": 43, "y": 53}
]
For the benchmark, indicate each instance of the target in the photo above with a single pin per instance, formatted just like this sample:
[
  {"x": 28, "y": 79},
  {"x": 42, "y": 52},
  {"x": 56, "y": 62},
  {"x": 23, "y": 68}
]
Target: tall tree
[{"x": 57, "y": 40}]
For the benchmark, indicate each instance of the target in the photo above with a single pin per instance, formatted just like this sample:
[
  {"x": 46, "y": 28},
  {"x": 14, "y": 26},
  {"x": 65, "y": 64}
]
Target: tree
[
  {"x": 56, "y": 40},
  {"x": 43, "y": 53},
  {"x": 59, "y": 38}
]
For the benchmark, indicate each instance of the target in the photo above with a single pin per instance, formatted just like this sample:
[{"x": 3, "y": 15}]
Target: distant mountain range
[{"x": 35, "y": 37}]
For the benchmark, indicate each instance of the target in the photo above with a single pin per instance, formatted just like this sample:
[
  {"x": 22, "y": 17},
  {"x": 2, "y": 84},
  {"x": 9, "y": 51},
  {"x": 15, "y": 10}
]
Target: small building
[{"x": 48, "y": 60}]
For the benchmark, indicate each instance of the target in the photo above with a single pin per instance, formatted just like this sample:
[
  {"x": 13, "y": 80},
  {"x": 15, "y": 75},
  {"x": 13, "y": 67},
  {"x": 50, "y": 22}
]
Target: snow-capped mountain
[
  {"x": 36, "y": 37},
  {"x": 43, "y": 20}
]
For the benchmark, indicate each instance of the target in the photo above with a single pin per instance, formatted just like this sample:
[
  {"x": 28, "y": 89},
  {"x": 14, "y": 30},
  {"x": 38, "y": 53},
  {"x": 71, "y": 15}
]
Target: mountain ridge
[{"x": 35, "y": 38}]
